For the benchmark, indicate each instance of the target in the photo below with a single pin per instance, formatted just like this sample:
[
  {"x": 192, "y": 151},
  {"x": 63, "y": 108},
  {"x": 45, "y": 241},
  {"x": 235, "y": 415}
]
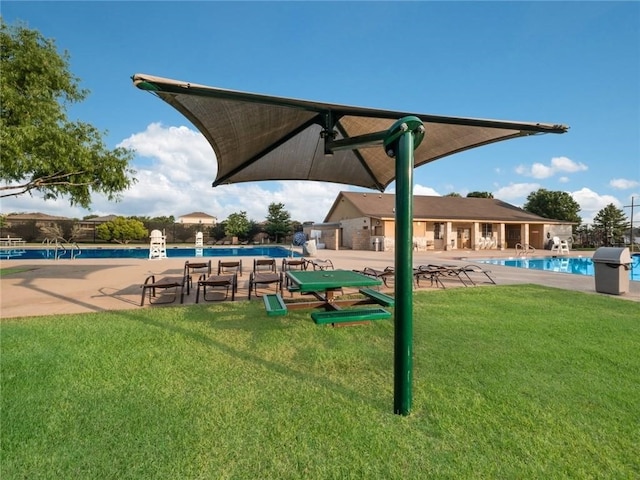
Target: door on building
[
  {"x": 464, "y": 238},
  {"x": 535, "y": 236},
  {"x": 512, "y": 232}
]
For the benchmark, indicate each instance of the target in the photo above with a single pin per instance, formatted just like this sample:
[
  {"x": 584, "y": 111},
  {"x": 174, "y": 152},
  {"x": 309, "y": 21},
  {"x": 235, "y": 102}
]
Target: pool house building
[{"x": 365, "y": 221}]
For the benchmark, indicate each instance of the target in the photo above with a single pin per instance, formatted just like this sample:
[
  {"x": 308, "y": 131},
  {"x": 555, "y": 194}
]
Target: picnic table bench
[
  {"x": 378, "y": 297},
  {"x": 349, "y": 315},
  {"x": 274, "y": 304}
]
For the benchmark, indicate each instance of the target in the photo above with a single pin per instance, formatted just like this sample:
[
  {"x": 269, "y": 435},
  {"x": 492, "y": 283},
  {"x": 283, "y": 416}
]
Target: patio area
[{"x": 50, "y": 287}]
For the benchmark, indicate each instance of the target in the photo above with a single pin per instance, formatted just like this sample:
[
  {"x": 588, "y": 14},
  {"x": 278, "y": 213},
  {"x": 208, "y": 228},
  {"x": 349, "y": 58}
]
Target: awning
[{"x": 259, "y": 137}]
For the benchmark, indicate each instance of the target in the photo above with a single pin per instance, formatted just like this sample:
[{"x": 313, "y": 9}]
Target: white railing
[
  {"x": 522, "y": 250},
  {"x": 58, "y": 247}
]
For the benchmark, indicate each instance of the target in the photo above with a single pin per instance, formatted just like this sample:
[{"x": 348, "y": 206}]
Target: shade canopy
[{"x": 259, "y": 137}]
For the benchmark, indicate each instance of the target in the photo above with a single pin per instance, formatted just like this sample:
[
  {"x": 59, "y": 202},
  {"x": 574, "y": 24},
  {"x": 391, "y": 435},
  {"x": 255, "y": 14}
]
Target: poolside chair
[
  {"x": 151, "y": 287},
  {"x": 436, "y": 273},
  {"x": 217, "y": 281},
  {"x": 264, "y": 273},
  {"x": 560, "y": 246},
  {"x": 195, "y": 267},
  {"x": 321, "y": 264},
  {"x": 467, "y": 269},
  {"x": 425, "y": 272},
  {"x": 230, "y": 266},
  {"x": 292, "y": 264},
  {"x": 387, "y": 275}
]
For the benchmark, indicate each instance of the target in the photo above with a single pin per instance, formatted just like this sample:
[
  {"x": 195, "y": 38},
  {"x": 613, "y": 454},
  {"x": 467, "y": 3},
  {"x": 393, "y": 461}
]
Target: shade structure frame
[
  {"x": 359, "y": 129},
  {"x": 280, "y": 138}
]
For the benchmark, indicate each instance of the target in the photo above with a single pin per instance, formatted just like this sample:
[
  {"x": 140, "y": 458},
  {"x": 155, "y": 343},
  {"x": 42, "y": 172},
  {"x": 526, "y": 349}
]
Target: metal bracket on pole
[{"x": 401, "y": 140}]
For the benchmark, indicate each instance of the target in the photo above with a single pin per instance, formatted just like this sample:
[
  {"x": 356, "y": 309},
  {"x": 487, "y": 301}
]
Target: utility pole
[{"x": 631, "y": 227}]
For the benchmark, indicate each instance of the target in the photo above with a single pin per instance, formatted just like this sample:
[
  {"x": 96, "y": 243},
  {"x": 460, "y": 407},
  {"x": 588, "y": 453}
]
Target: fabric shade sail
[{"x": 259, "y": 137}]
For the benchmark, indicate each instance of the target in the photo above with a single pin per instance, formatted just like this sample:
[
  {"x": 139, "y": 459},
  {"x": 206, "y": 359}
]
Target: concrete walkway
[{"x": 49, "y": 287}]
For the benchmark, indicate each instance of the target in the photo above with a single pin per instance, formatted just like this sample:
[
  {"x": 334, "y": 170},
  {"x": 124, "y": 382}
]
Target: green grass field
[{"x": 509, "y": 382}]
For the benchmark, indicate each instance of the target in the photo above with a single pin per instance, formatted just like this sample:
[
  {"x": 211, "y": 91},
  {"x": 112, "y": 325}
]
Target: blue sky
[{"x": 576, "y": 63}]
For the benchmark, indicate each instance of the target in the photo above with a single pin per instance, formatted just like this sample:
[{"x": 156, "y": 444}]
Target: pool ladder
[
  {"x": 60, "y": 248},
  {"x": 522, "y": 250}
]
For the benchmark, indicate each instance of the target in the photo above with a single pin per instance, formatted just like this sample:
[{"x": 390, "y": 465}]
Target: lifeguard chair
[{"x": 157, "y": 245}]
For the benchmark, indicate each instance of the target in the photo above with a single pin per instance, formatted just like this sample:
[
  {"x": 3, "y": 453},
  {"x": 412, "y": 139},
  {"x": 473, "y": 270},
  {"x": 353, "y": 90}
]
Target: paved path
[{"x": 48, "y": 287}]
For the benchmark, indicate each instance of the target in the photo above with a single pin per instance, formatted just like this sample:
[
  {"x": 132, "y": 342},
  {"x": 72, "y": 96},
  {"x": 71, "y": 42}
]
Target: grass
[
  {"x": 13, "y": 270},
  {"x": 509, "y": 382}
]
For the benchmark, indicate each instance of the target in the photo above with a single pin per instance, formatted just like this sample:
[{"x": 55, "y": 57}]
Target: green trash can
[{"x": 611, "y": 269}]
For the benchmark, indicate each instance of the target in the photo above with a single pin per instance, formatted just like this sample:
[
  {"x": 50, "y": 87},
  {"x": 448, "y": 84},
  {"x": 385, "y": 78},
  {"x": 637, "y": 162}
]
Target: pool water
[
  {"x": 574, "y": 265},
  {"x": 139, "y": 252}
]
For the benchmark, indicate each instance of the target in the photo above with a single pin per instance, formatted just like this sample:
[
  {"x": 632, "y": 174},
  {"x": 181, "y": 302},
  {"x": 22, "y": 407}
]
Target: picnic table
[{"x": 322, "y": 285}]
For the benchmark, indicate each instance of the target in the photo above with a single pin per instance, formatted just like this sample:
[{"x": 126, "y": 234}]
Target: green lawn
[{"x": 509, "y": 382}]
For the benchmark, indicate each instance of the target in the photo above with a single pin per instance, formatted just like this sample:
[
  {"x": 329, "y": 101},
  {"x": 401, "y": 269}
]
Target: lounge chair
[
  {"x": 195, "y": 267},
  {"x": 151, "y": 286},
  {"x": 436, "y": 273},
  {"x": 386, "y": 275},
  {"x": 292, "y": 264},
  {"x": 321, "y": 264},
  {"x": 467, "y": 269},
  {"x": 425, "y": 272},
  {"x": 229, "y": 266},
  {"x": 217, "y": 281},
  {"x": 264, "y": 273}
]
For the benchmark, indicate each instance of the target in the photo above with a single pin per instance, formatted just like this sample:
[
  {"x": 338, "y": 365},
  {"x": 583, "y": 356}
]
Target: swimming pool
[
  {"x": 574, "y": 265},
  {"x": 142, "y": 252}
]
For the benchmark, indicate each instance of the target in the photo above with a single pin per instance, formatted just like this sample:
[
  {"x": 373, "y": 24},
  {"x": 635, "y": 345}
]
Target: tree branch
[{"x": 55, "y": 179}]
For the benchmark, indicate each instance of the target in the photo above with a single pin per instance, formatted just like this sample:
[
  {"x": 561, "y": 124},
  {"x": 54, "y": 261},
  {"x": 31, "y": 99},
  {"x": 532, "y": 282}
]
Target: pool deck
[{"x": 49, "y": 287}]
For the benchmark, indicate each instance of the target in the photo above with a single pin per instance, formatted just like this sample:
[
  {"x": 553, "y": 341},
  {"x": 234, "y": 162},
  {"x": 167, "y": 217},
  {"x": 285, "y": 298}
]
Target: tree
[
  {"x": 479, "y": 195},
  {"x": 553, "y": 204},
  {"x": 121, "y": 230},
  {"x": 218, "y": 230},
  {"x": 66, "y": 230},
  {"x": 278, "y": 221},
  {"x": 42, "y": 150},
  {"x": 237, "y": 225},
  {"x": 611, "y": 223},
  {"x": 452, "y": 194}
]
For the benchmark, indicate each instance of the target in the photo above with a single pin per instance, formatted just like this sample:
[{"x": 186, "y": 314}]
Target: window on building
[
  {"x": 438, "y": 231},
  {"x": 486, "y": 229}
]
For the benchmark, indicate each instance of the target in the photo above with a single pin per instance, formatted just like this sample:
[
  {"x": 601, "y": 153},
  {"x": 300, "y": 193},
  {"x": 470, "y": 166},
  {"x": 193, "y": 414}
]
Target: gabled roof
[
  {"x": 197, "y": 215},
  {"x": 432, "y": 208}
]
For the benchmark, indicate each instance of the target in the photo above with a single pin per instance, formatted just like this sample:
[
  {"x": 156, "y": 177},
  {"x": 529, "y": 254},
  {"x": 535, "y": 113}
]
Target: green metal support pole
[{"x": 404, "y": 136}]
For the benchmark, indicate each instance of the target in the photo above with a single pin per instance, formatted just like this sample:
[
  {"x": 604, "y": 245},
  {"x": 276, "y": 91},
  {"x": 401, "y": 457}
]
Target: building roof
[
  {"x": 432, "y": 208},
  {"x": 102, "y": 219},
  {"x": 34, "y": 216},
  {"x": 197, "y": 215}
]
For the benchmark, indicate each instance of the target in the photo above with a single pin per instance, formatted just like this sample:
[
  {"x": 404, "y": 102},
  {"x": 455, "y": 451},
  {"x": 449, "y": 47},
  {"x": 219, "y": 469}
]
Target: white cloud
[
  {"x": 178, "y": 152},
  {"x": 623, "y": 183},
  {"x": 515, "y": 192},
  {"x": 557, "y": 165},
  {"x": 175, "y": 167},
  {"x": 592, "y": 202},
  {"x": 424, "y": 190}
]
